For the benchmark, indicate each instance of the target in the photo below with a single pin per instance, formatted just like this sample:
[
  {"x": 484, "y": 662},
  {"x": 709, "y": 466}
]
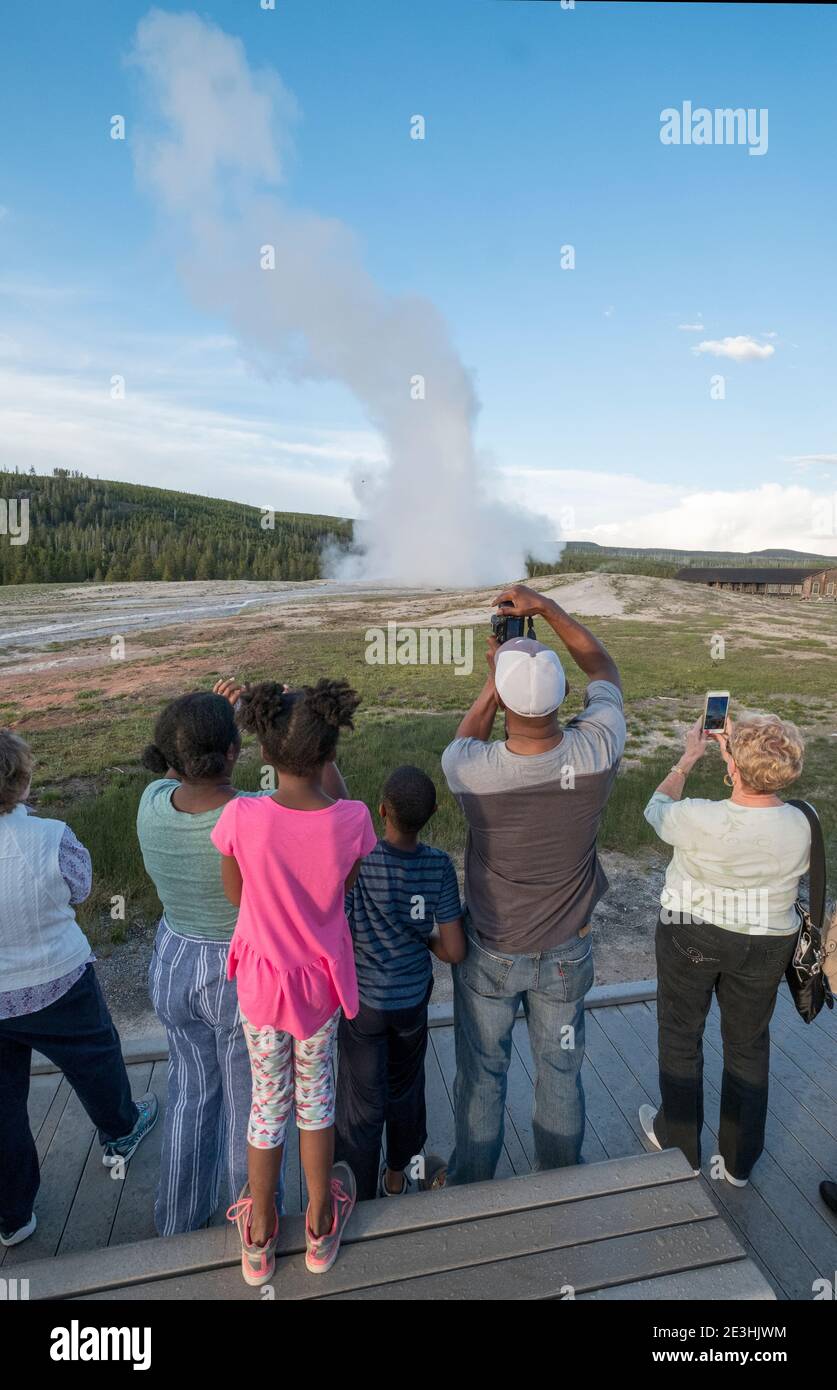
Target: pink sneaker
[
  {"x": 322, "y": 1251},
  {"x": 258, "y": 1262}
]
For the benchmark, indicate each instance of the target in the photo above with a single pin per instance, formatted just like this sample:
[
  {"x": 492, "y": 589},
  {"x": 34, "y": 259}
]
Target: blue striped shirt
[{"x": 398, "y": 896}]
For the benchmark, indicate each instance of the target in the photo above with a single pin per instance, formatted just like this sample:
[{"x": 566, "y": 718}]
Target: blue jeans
[{"x": 488, "y": 987}]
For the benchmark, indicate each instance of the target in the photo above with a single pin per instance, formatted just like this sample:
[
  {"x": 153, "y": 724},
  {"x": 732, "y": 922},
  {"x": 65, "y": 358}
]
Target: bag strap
[{"x": 816, "y": 872}]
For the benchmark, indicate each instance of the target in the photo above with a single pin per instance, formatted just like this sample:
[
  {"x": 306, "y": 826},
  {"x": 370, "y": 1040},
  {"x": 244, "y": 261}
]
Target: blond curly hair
[
  {"x": 768, "y": 751},
  {"x": 16, "y": 763}
]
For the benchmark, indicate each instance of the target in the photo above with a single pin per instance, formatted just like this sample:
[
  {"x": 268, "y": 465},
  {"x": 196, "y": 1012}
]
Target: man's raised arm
[
  {"x": 587, "y": 651},
  {"x": 479, "y": 721}
]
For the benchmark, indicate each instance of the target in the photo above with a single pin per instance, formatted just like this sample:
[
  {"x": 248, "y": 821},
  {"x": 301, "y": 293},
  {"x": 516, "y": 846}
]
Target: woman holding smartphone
[{"x": 728, "y": 926}]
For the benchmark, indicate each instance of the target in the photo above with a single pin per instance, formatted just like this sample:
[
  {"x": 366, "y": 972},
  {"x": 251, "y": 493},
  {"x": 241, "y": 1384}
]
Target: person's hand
[
  {"x": 523, "y": 602},
  {"x": 722, "y": 735},
  {"x": 491, "y": 653},
  {"x": 697, "y": 742},
  {"x": 230, "y": 688}
]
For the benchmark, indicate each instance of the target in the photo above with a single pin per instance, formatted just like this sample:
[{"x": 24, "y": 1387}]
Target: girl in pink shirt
[{"x": 288, "y": 862}]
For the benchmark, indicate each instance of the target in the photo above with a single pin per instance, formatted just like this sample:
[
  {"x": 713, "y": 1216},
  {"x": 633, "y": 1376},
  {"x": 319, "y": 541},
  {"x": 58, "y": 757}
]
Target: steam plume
[{"x": 212, "y": 155}]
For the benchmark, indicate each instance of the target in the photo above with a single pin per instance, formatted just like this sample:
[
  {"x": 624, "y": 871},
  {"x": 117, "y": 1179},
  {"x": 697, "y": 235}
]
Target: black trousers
[
  {"x": 695, "y": 960},
  {"x": 78, "y": 1035},
  {"x": 380, "y": 1085}
]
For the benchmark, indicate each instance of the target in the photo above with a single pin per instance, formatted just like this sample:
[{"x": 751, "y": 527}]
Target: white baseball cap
[{"x": 529, "y": 677}]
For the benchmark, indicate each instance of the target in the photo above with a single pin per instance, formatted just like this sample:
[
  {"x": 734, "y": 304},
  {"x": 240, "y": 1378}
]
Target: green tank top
[{"x": 184, "y": 865}]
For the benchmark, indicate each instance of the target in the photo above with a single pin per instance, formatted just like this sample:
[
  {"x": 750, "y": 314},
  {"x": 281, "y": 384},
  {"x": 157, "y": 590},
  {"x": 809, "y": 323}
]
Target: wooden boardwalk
[{"x": 779, "y": 1219}]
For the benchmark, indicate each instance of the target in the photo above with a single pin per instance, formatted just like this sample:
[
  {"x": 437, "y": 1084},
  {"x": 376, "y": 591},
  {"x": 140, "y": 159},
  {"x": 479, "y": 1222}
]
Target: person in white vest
[{"x": 50, "y": 998}]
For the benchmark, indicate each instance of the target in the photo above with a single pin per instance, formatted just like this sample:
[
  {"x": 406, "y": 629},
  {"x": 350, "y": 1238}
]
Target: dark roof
[{"x": 748, "y": 574}]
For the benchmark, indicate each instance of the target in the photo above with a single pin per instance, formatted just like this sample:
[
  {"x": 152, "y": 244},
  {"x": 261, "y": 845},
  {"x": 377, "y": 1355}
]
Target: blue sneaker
[{"x": 122, "y": 1150}]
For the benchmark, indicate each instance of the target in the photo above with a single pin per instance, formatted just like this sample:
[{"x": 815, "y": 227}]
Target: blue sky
[{"x": 542, "y": 130}]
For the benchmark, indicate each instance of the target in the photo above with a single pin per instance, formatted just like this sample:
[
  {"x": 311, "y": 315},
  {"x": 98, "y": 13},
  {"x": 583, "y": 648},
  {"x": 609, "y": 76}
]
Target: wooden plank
[
  {"x": 293, "y": 1173},
  {"x": 440, "y": 1128},
  {"x": 160, "y": 1258},
  {"x": 581, "y": 1268},
  {"x": 98, "y": 1195},
  {"x": 818, "y": 1036},
  {"x": 627, "y": 1095},
  {"x": 468, "y": 1245},
  {"x": 738, "y": 1282},
  {"x": 806, "y": 1058}
]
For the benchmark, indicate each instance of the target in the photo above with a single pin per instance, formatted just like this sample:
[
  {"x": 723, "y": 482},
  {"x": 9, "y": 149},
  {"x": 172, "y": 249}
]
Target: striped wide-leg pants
[{"x": 204, "y": 1156}]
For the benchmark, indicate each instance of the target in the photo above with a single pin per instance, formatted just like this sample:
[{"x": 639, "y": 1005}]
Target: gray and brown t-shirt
[{"x": 532, "y": 875}]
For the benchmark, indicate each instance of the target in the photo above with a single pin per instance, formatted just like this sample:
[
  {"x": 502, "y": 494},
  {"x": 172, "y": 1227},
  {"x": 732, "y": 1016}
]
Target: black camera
[{"x": 507, "y": 626}]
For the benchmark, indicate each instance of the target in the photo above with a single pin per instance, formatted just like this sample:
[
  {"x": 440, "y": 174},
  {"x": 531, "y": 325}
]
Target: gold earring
[{"x": 728, "y": 782}]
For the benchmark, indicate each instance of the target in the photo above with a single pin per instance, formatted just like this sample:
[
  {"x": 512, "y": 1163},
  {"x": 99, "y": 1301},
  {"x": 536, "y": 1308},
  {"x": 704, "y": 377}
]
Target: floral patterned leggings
[{"x": 289, "y": 1073}]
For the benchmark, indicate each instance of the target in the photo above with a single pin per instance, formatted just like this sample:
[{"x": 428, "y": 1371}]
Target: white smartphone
[{"x": 715, "y": 711}]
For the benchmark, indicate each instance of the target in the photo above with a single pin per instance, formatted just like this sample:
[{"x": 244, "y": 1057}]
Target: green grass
[{"x": 409, "y": 714}]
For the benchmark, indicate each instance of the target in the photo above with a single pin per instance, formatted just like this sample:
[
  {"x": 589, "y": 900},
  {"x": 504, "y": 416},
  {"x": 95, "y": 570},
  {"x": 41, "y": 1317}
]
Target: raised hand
[
  {"x": 524, "y": 602},
  {"x": 230, "y": 688}
]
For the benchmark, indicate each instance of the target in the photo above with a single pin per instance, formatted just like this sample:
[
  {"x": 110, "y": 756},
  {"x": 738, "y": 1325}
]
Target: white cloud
[
  {"x": 740, "y": 349},
  {"x": 804, "y": 459},
  {"x": 690, "y": 327},
  {"x": 51, "y": 420},
  {"x": 770, "y": 516}
]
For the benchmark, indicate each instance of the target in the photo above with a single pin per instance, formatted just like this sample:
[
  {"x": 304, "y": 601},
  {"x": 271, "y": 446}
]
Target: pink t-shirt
[{"x": 291, "y": 952}]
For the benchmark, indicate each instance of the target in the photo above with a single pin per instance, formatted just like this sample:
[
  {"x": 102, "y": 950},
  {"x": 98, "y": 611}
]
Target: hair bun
[
  {"x": 262, "y": 706},
  {"x": 334, "y": 702},
  {"x": 154, "y": 759}
]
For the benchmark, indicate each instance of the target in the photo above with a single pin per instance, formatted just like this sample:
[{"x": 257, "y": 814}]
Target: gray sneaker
[
  {"x": 322, "y": 1251},
  {"x": 122, "y": 1150},
  {"x": 383, "y": 1190},
  {"x": 22, "y": 1233}
]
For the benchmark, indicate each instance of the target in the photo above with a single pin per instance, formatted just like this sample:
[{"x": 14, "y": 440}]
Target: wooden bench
[{"x": 630, "y": 1228}]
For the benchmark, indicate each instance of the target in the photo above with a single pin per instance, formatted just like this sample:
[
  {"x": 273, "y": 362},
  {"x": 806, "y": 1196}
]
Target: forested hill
[{"x": 83, "y": 528}]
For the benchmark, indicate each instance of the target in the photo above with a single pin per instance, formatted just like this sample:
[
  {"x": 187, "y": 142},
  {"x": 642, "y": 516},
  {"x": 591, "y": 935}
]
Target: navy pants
[
  {"x": 77, "y": 1034},
  {"x": 380, "y": 1085}
]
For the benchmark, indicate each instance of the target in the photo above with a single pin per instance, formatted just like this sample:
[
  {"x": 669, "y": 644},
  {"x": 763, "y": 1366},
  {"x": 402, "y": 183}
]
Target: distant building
[
  {"x": 778, "y": 582},
  {"x": 823, "y": 584}
]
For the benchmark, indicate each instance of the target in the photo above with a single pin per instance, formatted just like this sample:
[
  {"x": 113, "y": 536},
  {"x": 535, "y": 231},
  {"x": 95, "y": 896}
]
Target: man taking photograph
[{"x": 533, "y": 803}]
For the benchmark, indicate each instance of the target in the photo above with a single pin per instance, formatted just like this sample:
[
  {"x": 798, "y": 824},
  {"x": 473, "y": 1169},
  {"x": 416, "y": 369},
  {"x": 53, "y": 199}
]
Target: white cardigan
[{"x": 40, "y": 939}]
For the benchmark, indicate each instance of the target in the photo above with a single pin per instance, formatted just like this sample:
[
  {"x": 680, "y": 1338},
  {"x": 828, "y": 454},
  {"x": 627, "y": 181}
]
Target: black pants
[
  {"x": 693, "y": 961},
  {"x": 77, "y": 1034},
  {"x": 380, "y": 1082}
]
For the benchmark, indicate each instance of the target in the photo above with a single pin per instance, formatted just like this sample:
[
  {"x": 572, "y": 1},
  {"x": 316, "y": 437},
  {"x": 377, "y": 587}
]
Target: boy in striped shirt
[{"x": 404, "y": 904}]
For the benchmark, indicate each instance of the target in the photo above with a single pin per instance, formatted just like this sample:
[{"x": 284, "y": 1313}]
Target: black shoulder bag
[{"x": 806, "y": 980}]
